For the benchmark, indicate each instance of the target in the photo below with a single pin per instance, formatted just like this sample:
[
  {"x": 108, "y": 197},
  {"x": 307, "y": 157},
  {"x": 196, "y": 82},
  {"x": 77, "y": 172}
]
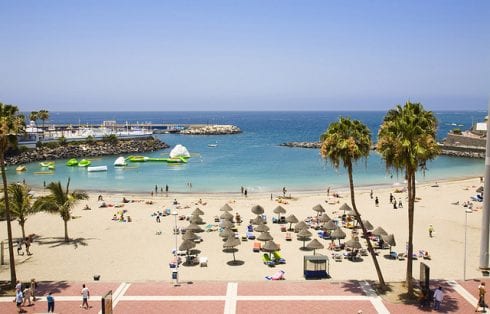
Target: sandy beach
[{"x": 140, "y": 250}]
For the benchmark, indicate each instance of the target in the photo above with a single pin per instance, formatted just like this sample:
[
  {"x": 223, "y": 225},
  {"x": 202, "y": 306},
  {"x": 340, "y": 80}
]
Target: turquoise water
[{"x": 252, "y": 159}]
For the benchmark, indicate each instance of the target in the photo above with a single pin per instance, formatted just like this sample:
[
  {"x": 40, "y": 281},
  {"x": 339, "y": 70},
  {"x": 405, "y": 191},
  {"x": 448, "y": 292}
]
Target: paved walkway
[{"x": 243, "y": 297}]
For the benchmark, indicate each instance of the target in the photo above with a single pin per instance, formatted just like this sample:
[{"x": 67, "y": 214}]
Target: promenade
[{"x": 242, "y": 297}]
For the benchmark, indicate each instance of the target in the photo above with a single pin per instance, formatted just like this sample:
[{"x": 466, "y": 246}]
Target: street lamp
[
  {"x": 466, "y": 211},
  {"x": 176, "y": 271}
]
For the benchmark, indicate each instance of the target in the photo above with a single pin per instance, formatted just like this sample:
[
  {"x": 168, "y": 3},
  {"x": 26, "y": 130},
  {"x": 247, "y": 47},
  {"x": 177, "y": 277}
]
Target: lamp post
[
  {"x": 176, "y": 271},
  {"x": 466, "y": 211}
]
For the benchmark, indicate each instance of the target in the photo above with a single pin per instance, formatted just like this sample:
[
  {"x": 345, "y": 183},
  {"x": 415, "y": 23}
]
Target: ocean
[{"x": 252, "y": 159}]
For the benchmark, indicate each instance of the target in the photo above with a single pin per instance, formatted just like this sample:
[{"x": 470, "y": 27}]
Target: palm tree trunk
[
  {"x": 13, "y": 276},
  {"x": 66, "y": 230},
  {"x": 411, "y": 205},
  {"x": 22, "y": 223},
  {"x": 382, "y": 283}
]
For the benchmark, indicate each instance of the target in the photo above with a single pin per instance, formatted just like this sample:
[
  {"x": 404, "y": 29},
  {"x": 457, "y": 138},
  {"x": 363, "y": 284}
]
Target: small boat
[
  {"x": 120, "y": 162},
  {"x": 97, "y": 168},
  {"x": 21, "y": 168},
  {"x": 72, "y": 162},
  {"x": 84, "y": 163},
  {"x": 46, "y": 164},
  {"x": 212, "y": 145}
]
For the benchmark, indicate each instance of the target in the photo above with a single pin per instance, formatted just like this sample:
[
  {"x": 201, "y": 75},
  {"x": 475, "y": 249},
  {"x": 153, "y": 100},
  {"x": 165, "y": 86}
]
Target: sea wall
[
  {"x": 212, "y": 130},
  {"x": 80, "y": 149},
  {"x": 302, "y": 144},
  {"x": 464, "y": 141}
]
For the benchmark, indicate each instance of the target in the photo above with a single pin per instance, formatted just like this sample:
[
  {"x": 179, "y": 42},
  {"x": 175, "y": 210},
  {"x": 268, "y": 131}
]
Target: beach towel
[{"x": 277, "y": 276}]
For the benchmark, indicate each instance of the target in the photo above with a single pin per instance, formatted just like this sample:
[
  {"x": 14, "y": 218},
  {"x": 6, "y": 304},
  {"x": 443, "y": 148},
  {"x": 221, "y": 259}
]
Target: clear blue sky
[{"x": 244, "y": 55}]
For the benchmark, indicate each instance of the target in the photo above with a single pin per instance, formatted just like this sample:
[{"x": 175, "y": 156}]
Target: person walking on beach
[
  {"x": 85, "y": 296},
  {"x": 431, "y": 230},
  {"x": 50, "y": 300},
  {"x": 376, "y": 201},
  {"x": 156, "y": 189},
  {"x": 438, "y": 297},
  {"x": 19, "y": 300},
  {"x": 400, "y": 205},
  {"x": 166, "y": 189},
  {"x": 371, "y": 194},
  {"x": 391, "y": 198},
  {"x": 241, "y": 188},
  {"x": 27, "y": 296},
  {"x": 33, "y": 289},
  {"x": 481, "y": 299},
  {"x": 284, "y": 191},
  {"x": 28, "y": 245},
  {"x": 245, "y": 192},
  {"x": 19, "y": 248}
]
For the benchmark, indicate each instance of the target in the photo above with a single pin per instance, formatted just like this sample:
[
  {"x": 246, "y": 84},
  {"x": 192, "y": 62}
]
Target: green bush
[
  {"x": 457, "y": 131},
  {"x": 111, "y": 139}
]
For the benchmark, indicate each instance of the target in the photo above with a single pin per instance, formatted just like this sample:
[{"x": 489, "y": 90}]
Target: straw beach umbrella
[
  {"x": 227, "y": 233},
  {"x": 338, "y": 233},
  {"x": 226, "y": 216},
  {"x": 196, "y": 219},
  {"x": 257, "y": 221},
  {"x": 193, "y": 228},
  {"x": 319, "y": 209},
  {"x": 329, "y": 225},
  {"x": 303, "y": 235},
  {"x": 187, "y": 245},
  {"x": 197, "y": 212},
  {"x": 261, "y": 228},
  {"x": 189, "y": 235},
  {"x": 257, "y": 210},
  {"x": 226, "y": 224},
  {"x": 279, "y": 210},
  {"x": 314, "y": 245},
  {"x": 270, "y": 246},
  {"x": 324, "y": 218},
  {"x": 226, "y": 208},
  {"x": 230, "y": 244},
  {"x": 379, "y": 232},
  {"x": 300, "y": 226},
  {"x": 390, "y": 239},
  {"x": 368, "y": 225},
  {"x": 291, "y": 219},
  {"x": 265, "y": 236},
  {"x": 346, "y": 208},
  {"x": 354, "y": 244}
]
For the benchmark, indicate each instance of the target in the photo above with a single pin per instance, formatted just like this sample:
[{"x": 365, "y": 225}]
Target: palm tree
[
  {"x": 406, "y": 141},
  {"x": 60, "y": 201},
  {"x": 11, "y": 124},
  {"x": 43, "y": 115},
  {"x": 347, "y": 141},
  {"x": 33, "y": 116},
  {"x": 20, "y": 201}
]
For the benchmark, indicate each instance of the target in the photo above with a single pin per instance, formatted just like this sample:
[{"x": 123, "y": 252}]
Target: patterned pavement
[{"x": 242, "y": 297}]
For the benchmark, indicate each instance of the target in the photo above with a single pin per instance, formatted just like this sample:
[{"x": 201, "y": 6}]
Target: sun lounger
[
  {"x": 250, "y": 228},
  {"x": 283, "y": 228},
  {"x": 267, "y": 260},
  {"x": 401, "y": 256},
  {"x": 278, "y": 258},
  {"x": 257, "y": 247},
  {"x": 203, "y": 261},
  {"x": 393, "y": 255},
  {"x": 288, "y": 236},
  {"x": 250, "y": 236},
  {"x": 337, "y": 257},
  {"x": 244, "y": 237}
]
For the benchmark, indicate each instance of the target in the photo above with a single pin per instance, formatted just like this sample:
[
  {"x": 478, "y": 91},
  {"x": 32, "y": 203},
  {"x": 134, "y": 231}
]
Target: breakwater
[
  {"x": 212, "y": 130},
  {"x": 84, "y": 149},
  {"x": 302, "y": 144}
]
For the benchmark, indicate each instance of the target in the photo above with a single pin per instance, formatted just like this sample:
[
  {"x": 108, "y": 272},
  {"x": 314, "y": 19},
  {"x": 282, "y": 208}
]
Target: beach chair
[
  {"x": 203, "y": 261},
  {"x": 244, "y": 237},
  {"x": 401, "y": 256},
  {"x": 337, "y": 257},
  {"x": 267, "y": 260},
  {"x": 250, "y": 236},
  {"x": 288, "y": 236},
  {"x": 257, "y": 247},
  {"x": 278, "y": 258},
  {"x": 393, "y": 255},
  {"x": 283, "y": 228},
  {"x": 250, "y": 228}
]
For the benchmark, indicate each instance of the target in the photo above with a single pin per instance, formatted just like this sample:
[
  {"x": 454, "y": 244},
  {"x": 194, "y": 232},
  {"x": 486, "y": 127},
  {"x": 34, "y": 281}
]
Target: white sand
[{"x": 133, "y": 252}]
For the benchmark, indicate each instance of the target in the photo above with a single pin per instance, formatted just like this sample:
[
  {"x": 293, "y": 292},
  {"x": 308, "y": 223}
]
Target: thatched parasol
[
  {"x": 346, "y": 208},
  {"x": 315, "y": 245},
  {"x": 196, "y": 219},
  {"x": 227, "y": 233},
  {"x": 265, "y": 236},
  {"x": 390, "y": 239},
  {"x": 257, "y": 221},
  {"x": 318, "y": 208},
  {"x": 226, "y": 208},
  {"x": 324, "y": 218},
  {"x": 329, "y": 225},
  {"x": 479, "y": 190},
  {"x": 226, "y": 224},
  {"x": 354, "y": 244},
  {"x": 279, "y": 210},
  {"x": 257, "y": 210},
  {"x": 197, "y": 211},
  {"x": 300, "y": 226},
  {"x": 230, "y": 244},
  {"x": 226, "y": 216},
  {"x": 270, "y": 246},
  {"x": 189, "y": 235},
  {"x": 338, "y": 234},
  {"x": 303, "y": 235},
  {"x": 261, "y": 228},
  {"x": 193, "y": 228},
  {"x": 291, "y": 219},
  {"x": 379, "y": 232},
  {"x": 368, "y": 225},
  {"x": 187, "y": 245}
]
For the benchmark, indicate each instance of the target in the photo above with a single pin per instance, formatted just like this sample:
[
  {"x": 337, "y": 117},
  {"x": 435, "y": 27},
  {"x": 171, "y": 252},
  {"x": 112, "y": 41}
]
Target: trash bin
[{"x": 175, "y": 274}]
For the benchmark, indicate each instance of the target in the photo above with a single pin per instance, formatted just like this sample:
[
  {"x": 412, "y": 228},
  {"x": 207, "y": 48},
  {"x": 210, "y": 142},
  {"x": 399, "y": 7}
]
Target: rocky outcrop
[
  {"x": 78, "y": 149},
  {"x": 302, "y": 144},
  {"x": 212, "y": 130}
]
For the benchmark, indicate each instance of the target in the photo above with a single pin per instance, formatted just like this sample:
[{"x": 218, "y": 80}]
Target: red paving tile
[
  {"x": 74, "y": 288},
  {"x": 71, "y": 307},
  {"x": 285, "y": 307},
  {"x": 299, "y": 288},
  {"x": 472, "y": 286},
  {"x": 166, "y": 288},
  {"x": 181, "y": 307}
]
